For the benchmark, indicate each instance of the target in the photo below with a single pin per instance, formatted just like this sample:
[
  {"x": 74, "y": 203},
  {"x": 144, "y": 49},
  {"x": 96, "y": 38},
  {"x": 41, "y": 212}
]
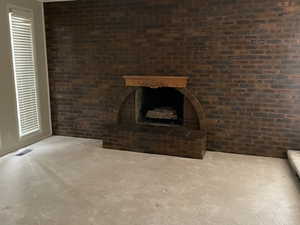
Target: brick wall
[{"x": 242, "y": 58}]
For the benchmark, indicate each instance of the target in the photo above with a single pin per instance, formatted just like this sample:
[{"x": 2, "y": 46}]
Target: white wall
[{"x": 9, "y": 135}]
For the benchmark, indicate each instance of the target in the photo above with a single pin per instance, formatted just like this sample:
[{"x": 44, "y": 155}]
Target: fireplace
[
  {"x": 159, "y": 106},
  {"x": 158, "y": 115}
]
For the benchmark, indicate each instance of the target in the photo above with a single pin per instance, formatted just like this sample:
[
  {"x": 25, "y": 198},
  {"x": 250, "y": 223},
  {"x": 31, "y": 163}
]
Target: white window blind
[{"x": 24, "y": 71}]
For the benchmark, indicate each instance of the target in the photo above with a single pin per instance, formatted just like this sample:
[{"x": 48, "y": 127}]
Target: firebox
[{"x": 159, "y": 106}]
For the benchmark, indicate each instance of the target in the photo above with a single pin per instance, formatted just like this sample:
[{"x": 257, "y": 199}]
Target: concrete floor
[{"x": 72, "y": 181}]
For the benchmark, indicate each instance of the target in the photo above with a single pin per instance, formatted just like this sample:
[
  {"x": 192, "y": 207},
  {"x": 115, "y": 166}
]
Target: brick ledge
[{"x": 294, "y": 159}]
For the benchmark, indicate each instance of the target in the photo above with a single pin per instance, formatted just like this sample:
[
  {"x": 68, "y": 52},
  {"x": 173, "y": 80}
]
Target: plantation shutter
[{"x": 24, "y": 71}]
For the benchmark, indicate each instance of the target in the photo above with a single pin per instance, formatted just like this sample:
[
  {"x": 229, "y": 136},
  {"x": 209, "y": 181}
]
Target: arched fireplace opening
[{"x": 163, "y": 106}]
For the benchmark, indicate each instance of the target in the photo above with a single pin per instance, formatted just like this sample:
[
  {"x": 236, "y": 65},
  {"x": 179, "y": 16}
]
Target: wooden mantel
[{"x": 156, "y": 81}]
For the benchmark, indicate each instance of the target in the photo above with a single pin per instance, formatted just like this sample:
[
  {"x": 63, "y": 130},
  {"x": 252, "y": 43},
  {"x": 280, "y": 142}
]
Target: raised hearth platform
[
  {"x": 294, "y": 159},
  {"x": 178, "y": 141}
]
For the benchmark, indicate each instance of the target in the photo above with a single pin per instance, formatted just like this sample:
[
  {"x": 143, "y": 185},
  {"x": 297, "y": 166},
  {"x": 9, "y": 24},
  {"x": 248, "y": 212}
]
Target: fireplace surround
[{"x": 159, "y": 115}]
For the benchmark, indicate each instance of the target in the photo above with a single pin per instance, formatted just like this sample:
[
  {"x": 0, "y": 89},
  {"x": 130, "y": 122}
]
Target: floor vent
[{"x": 23, "y": 152}]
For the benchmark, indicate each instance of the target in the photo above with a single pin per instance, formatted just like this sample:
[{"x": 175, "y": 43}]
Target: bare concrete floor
[{"x": 72, "y": 181}]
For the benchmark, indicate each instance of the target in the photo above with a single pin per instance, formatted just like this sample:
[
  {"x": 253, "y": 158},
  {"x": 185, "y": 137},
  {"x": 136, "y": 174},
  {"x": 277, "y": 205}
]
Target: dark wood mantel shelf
[{"x": 156, "y": 81}]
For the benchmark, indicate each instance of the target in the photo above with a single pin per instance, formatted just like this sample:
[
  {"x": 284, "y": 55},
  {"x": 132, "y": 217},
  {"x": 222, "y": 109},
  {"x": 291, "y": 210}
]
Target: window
[{"x": 22, "y": 43}]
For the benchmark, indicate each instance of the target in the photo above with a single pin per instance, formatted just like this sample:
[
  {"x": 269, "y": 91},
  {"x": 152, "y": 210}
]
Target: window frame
[{"x": 28, "y": 13}]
